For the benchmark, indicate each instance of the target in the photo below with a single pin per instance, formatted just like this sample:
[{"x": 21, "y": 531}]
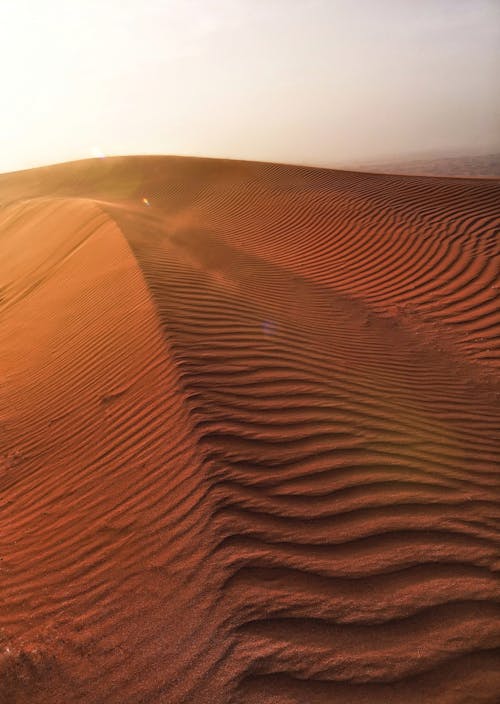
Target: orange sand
[{"x": 249, "y": 440}]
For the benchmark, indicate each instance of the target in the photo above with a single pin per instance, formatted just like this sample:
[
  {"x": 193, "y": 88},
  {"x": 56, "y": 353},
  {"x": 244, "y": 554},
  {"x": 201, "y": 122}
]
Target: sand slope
[{"x": 250, "y": 435}]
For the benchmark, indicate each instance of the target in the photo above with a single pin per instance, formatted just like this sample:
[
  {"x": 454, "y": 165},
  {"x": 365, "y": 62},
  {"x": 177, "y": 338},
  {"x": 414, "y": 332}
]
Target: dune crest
[{"x": 250, "y": 435}]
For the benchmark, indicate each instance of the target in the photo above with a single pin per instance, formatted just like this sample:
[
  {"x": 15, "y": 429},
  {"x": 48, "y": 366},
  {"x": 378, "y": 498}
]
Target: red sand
[{"x": 249, "y": 435}]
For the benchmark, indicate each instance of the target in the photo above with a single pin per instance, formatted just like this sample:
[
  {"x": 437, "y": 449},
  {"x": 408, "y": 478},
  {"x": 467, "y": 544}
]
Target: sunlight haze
[{"x": 322, "y": 82}]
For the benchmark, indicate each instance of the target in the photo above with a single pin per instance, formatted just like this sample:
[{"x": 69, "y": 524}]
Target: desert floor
[{"x": 249, "y": 435}]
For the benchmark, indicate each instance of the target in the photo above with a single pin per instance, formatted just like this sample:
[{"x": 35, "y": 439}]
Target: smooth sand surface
[{"x": 249, "y": 444}]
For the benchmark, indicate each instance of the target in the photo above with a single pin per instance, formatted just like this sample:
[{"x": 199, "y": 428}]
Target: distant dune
[
  {"x": 484, "y": 166},
  {"x": 249, "y": 440}
]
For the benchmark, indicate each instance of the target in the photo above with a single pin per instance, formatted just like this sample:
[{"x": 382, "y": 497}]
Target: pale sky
[{"x": 321, "y": 82}]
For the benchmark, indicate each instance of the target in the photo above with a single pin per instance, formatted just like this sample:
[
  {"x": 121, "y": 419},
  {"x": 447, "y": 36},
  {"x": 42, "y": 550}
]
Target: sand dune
[{"x": 250, "y": 435}]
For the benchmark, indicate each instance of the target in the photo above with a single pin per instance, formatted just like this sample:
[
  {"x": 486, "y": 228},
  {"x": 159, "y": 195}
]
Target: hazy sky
[{"x": 304, "y": 81}]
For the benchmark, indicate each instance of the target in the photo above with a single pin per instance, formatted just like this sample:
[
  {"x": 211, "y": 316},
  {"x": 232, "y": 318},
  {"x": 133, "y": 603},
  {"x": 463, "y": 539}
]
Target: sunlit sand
[{"x": 249, "y": 435}]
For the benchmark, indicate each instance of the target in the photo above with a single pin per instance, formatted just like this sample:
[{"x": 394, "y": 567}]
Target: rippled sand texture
[{"x": 249, "y": 438}]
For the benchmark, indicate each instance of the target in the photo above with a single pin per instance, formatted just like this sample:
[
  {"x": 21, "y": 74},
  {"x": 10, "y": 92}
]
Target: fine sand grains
[{"x": 250, "y": 435}]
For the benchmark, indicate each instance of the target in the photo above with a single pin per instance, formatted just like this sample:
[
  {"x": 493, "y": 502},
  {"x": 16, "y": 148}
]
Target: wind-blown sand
[{"x": 249, "y": 435}]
